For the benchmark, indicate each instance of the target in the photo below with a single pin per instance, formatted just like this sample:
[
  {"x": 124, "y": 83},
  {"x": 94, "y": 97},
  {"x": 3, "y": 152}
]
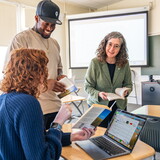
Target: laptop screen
[{"x": 125, "y": 128}]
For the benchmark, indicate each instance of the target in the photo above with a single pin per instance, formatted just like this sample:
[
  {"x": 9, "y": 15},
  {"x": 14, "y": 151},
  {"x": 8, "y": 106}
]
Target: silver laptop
[{"x": 119, "y": 138}]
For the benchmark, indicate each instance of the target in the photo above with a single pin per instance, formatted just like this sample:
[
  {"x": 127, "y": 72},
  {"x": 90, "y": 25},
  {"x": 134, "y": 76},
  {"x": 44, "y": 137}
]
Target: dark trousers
[{"x": 48, "y": 119}]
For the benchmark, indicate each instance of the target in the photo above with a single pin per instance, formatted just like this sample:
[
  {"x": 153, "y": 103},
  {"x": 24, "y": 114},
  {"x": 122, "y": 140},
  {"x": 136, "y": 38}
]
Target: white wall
[{"x": 154, "y": 23}]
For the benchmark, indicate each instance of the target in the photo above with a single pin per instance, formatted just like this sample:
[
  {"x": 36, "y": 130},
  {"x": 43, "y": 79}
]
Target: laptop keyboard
[{"x": 107, "y": 145}]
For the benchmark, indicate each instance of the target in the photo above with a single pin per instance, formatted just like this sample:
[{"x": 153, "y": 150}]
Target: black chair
[{"x": 151, "y": 132}]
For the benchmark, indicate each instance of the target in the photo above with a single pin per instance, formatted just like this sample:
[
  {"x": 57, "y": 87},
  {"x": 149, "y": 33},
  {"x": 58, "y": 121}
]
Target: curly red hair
[{"x": 25, "y": 71}]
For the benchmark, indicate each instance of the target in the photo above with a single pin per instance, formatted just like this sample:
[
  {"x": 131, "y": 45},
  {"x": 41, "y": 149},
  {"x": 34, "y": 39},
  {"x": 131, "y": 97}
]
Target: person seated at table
[
  {"x": 107, "y": 71},
  {"x": 22, "y": 133}
]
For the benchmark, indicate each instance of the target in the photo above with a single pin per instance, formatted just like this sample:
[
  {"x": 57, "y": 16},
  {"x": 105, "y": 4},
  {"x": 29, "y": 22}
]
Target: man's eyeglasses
[{"x": 116, "y": 46}]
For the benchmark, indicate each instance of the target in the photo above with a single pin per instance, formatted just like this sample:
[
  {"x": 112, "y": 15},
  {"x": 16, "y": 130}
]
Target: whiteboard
[{"x": 85, "y": 34}]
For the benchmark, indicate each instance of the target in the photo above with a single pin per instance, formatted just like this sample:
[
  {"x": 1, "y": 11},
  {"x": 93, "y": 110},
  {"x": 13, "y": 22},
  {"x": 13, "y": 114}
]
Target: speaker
[{"x": 150, "y": 93}]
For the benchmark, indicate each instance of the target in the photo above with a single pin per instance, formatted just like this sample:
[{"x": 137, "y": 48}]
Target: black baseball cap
[{"x": 48, "y": 11}]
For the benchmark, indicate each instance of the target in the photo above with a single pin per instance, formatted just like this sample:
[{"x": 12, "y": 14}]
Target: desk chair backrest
[
  {"x": 151, "y": 132},
  {"x": 134, "y": 92}
]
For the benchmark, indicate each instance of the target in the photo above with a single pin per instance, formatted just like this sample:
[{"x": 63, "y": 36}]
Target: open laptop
[{"x": 119, "y": 138}]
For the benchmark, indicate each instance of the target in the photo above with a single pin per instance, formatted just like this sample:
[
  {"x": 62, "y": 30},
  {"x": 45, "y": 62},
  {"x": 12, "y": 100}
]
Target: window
[
  {"x": 17, "y": 18},
  {"x": 3, "y": 50}
]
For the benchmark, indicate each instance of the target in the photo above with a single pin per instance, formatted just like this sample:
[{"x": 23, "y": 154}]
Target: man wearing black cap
[{"x": 38, "y": 37}]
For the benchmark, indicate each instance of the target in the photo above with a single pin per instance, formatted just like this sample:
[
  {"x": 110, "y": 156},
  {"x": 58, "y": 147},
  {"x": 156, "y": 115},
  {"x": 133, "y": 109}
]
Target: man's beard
[{"x": 46, "y": 37}]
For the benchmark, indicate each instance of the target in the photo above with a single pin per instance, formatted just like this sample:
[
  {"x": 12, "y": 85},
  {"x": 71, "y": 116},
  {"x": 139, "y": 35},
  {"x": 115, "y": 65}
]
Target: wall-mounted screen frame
[{"x": 86, "y": 33}]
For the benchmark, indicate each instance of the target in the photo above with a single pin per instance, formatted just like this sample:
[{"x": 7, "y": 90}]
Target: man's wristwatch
[{"x": 56, "y": 126}]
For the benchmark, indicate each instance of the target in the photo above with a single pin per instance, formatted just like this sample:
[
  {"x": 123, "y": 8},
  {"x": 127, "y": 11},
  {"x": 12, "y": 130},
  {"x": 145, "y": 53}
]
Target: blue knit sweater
[{"x": 22, "y": 135}]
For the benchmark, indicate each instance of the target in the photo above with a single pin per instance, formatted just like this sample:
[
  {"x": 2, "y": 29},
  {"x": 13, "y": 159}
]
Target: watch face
[{"x": 56, "y": 125}]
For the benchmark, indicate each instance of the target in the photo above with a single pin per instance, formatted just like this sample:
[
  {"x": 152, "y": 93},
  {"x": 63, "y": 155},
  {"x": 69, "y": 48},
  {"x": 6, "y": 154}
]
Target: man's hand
[
  {"x": 60, "y": 77},
  {"x": 55, "y": 86}
]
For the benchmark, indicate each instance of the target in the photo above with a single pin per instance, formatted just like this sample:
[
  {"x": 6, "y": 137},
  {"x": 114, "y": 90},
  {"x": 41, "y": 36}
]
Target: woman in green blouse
[{"x": 107, "y": 71}]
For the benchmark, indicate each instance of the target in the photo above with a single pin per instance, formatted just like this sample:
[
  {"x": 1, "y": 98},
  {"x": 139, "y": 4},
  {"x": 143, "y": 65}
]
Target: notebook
[{"x": 119, "y": 138}]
